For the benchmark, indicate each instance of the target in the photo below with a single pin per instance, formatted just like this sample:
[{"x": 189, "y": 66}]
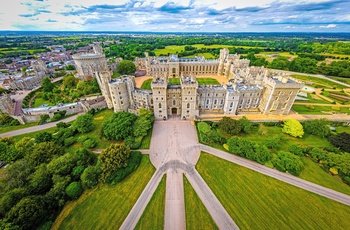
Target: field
[
  {"x": 153, "y": 216},
  {"x": 206, "y": 55},
  {"x": 324, "y": 83},
  {"x": 311, "y": 171},
  {"x": 169, "y": 49},
  {"x": 106, "y": 207},
  {"x": 147, "y": 84},
  {"x": 174, "y": 81},
  {"x": 207, "y": 81},
  {"x": 302, "y": 109},
  {"x": 256, "y": 201},
  {"x": 197, "y": 216}
]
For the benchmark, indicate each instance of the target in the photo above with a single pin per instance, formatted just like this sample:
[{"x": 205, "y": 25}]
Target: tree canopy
[
  {"x": 126, "y": 67},
  {"x": 83, "y": 123},
  {"x": 230, "y": 126},
  {"x": 293, "y": 128},
  {"x": 119, "y": 126}
]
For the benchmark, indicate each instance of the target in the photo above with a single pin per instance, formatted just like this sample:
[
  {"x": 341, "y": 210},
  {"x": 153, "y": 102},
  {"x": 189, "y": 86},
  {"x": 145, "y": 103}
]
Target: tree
[
  {"x": 119, "y": 126},
  {"x": 44, "y": 152},
  {"x": 290, "y": 163},
  {"x": 70, "y": 67},
  {"x": 90, "y": 176},
  {"x": 69, "y": 82},
  {"x": 143, "y": 123},
  {"x": 293, "y": 128},
  {"x": 10, "y": 199},
  {"x": 230, "y": 126},
  {"x": 62, "y": 165},
  {"x": 83, "y": 123},
  {"x": 43, "y": 137},
  {"x": 40, "y": 181},
  {"x": 246, "y": 124},
  {"x": 204, "y": 127},
  {"x": 47, "y": 85},
  {"x": 341, "y": 141},
  {"x": 318, "y": 127},
  {"x": 28, "y": 212},
  {"x": 126, "y": 67},
  {"x": 17, "y": 174},
  {"x": 113, "y": 158},
  {"x": 25, "y": 145},
  {"x": 280, "y": 63},
  {"x": 74, "y": 190}
]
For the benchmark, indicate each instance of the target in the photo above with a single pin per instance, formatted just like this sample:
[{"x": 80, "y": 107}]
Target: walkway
[
  {"x": 37, "y": 128},
  {"x": 174, "y": 151}
]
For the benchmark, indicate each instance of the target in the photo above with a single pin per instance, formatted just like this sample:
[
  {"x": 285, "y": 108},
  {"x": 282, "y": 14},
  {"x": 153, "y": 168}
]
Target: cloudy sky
[{"x": 177, "y": 15}]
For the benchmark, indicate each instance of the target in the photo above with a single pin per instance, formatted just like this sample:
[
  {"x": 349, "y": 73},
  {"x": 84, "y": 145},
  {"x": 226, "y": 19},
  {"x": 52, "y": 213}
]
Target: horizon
[{"x": 182, "y": 16}]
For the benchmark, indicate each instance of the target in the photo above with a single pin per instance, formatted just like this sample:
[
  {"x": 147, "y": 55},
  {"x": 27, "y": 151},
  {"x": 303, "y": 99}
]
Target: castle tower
[
  {"x": 97, "y": 48},
  {"x": 120, "y": 91},
  {"x": 223, "y": 56},
  {"x": 189, "y": 86},
  {"x": 103, "y": 78},
  {"x": 159, "y": 87}
]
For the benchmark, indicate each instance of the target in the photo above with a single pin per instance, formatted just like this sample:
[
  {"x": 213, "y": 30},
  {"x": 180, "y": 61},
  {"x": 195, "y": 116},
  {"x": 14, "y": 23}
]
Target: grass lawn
[
  {"x": 106, "y": 207},
  {"x": 153, "y": 216},
  {"x": 311, "y": 172},
  {"x": 115, "y": 74},
  {"x": 197, "y": 216},
  {"x": 256, "y": 201},
  {"x": 33, "y": 134},
  {"x": 169, "y": 49},
  {"x": 342, "y": 79},
  {"x": 146, "y": 141},
  {"x": 314, "y": 99},
  {"x": 302, "y": 109},
  {"x": 315, "y": 174},
  {"x": 324, "y": 82},
  {"x": 147, "y": 84},
  {"x": 11, "y": 128},
  {"x": 40, "y": 101},
  {"x": 174, "y": 81},
  {"x": 207, "y": 81}
]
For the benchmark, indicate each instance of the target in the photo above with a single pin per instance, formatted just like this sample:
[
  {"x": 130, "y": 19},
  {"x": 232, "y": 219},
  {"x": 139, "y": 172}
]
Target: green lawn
[
  {"x": 324, "y": 82},
  {"x": 302, "y": 109},
  {"x": 169, "y": 49},
  {"x": 115, "y": 74},
  {"x": 197, "y": 216},
  {"x": 315, "y": 174},
  {"x": 12, "y": 128},
  {"x": 207, "y": 81},
  {"x": 147, "y": 84},
  {"x": 106, "y": 207},
  {"x": 153, "y": 216},
  {"x": 40, "y": 101},
  {"x": 174, "y": 81},
  {"x": 256, "y": 201},
  {"x": 146, "y": 141},
  {"x": 342, "y": 79},
  {"x": 313, "y": 100},
  {"x": 33, "y": 134},
  {"x": 311, "y": 172}
]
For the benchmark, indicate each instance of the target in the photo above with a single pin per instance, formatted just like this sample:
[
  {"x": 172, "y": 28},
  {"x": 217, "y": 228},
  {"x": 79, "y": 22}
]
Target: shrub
[
  {"x": 69, "y": 141},
  {"x": 289, "y": 163},
  {"x": 129, "y": 140},
  {"x": 317, "y": 127},
  {"x": 296, "y": 150},
  {"x": 334, "y": 171},
  {"x": 341, "y": 141},
  {"x": 274, "y": 143},
  {"x": 272, "y": 123},
  {"x": 245, "y": 124},
  {"x": 229, "y": 125},
  {"x": 337, "y": 108},
  {"x": 204, "y": 127},
  {"x": 317, "y": 154},
  {"x": 89, "y": 178},
  {"x": 89, "y": 143},
  {"x": 74, "y": 190},
  {"x": 133, "y": 163},
  {"x": 293, "y": 128},
  {"x": 77, "y": 171}
]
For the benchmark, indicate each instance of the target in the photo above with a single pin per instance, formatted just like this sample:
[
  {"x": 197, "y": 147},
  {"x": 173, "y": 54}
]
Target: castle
[{"x": 249, "y": 89}]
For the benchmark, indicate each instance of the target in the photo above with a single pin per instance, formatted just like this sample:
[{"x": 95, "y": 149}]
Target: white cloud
[{"x": 329, "y": 26}]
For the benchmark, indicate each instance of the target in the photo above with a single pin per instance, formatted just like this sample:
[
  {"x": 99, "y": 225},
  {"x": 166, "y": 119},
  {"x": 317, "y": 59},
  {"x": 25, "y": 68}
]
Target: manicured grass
[
  {"x": 256, "y": 201},
  {"x": 169, "y": 49},
  {"x": 174, "y": 81},
  {"x": 207, "y": 81},
  {"x": 314, "y": 99},
  {"x": 215, "y": 46},
  {"x": 106, "y": 207},
  {"x": 115, "y": 74},
  {"x": 324, "y": 82},
  {"x": 197, "y": 216},
  {"x": 342, "y": 79},
  {"x": 302, "y": 109},
  {"x": 146, "y": 140},
  {"x": 147, "y": 84},
  {"x": 315, "y": 174},
  {"x": 12, "y": 128},
  {"x": 40, "y": 101},
  {"x": 153, "y": 216},
  {"x": 33, "y": 134}
]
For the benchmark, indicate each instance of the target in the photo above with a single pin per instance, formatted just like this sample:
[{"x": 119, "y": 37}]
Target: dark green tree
[
  {"x": 126, "y": 67},
  {"x": 83, "y": 123},
  {"x": 230, "y": 126},
  {"x": 143, "y": 123},
  {"x": 90, "y": 176},
  {"x": 119, "y": 126},
  {"x": 47, "y": 85},
  {"x": 74, "y": 190}
]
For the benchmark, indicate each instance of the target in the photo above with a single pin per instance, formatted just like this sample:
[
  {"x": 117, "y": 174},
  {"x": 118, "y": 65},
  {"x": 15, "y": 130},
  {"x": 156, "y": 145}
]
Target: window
[
  {"x": 185, "y": 98},
  {"x": 158, "y": 92},
  {"x": 276, "y": 99},
  {"x": 188, "y": 111},
  {"x": 290, "y": 92},
  {"x": 222, "y": 101},
  {"x": 188, "y": 105},
  {"x": 248, "y": 101},
  {"x": 207, "y": 101},
  {"x": 233, "y": 98},
  {"x": 174, "y": 102},
  {"x": 160, "y": 111},
  {"x": 215, "y": 101},
  {"x": 241, "y": 102},
  {"x": 160, "y": 105},
  {"x": 231, "y": 104},
  {"x": 189, "y": 92},
  {"x": 121, "y": 102}
]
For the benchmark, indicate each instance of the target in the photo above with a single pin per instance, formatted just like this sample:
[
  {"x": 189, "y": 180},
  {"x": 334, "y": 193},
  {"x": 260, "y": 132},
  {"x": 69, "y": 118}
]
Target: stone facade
[
  {"x": 87, "y": 64},
  {"x": 249, "y": 89},
  {"x": 6, "y": 104}
]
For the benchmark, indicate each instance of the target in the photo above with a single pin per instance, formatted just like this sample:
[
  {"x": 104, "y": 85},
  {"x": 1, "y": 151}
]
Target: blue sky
[{"x": 177, "y": 15}]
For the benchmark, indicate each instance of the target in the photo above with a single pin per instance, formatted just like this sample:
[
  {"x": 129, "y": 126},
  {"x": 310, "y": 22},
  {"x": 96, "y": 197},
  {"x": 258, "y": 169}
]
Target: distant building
[{"x": 6, "y": 104}]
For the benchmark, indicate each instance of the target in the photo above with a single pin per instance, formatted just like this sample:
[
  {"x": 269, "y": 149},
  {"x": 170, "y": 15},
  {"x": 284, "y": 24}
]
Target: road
[
  {"x": 329, "y": 193},
  {"x": 175, "y": 151},
  {"x": 37, "y": 128}
]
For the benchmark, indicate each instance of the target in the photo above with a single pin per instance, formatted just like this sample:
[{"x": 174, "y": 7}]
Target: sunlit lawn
[
  {"x": 106, "y": 207},
  {"x": 256, "y": 201},
  {"x": 326, "y": 83},
  {"x": 147, "y": 84},
  {"x": 302, "y": 109},
  {"x": 153, "y": 216},
  {"x": 197, "y": 215},
  {"x": 12, "y": 128}
]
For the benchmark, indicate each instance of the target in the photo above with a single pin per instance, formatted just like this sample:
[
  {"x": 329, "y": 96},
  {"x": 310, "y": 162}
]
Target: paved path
[
  {"x": 37, "y": 128},
  {"x": 329, "y": 193},
  {"x": 174, "y": 150}
]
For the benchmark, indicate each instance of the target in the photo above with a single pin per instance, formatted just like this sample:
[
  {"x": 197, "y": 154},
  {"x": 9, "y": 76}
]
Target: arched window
[
  {"x": 231, "y": 104},
  {"x": 160, "y": 105},
  {"x": 174, "y": 102},
  {"x": 188, "y": 105}
]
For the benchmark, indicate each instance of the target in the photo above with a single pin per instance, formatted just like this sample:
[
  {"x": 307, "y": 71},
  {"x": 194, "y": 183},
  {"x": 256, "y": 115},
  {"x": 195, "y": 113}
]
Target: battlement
[{"x": 282, "y": 82}]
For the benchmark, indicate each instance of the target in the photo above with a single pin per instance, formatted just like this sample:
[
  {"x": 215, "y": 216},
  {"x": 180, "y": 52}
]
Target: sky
[{"x": 177, "y": 15}]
